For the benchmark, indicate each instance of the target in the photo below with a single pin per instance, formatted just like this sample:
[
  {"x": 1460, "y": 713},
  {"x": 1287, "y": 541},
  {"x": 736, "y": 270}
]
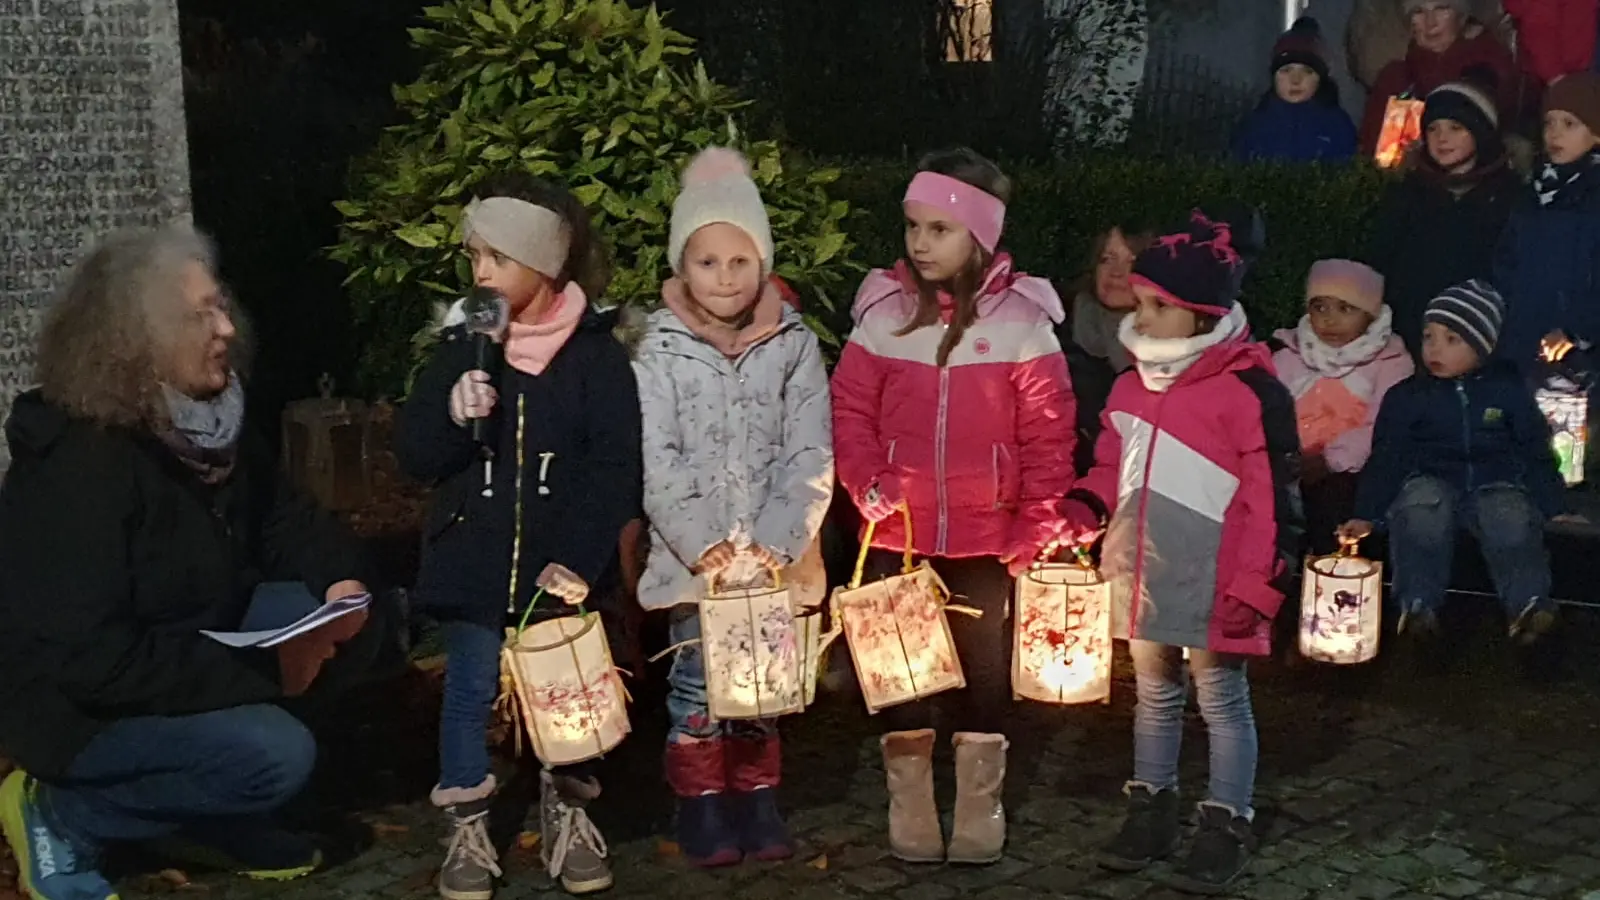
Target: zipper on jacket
[
  {"x": 1466, "y": 428},
  {"x": 1144, "y": 506},
  {"x": 941, "y": 424},
  {"x": 516, "y": 508}
]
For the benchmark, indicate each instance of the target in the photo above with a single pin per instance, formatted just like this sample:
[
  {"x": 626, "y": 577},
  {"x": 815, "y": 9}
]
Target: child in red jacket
[
  {"x": 1196, "y": 466},
  {"x": 951, "y": 401}
]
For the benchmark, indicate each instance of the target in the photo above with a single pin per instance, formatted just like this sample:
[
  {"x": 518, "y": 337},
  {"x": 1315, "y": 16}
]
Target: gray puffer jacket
[{"x": 737, "y": 450}]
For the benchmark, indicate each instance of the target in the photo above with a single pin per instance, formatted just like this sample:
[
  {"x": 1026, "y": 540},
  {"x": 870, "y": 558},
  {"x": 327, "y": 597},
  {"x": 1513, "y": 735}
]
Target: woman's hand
[
  {"x": 559, "y": 581},
  {"x": 472, "y": 397},
  {"x": 1353, "y": 531},
  {"x": 344, "y": 589}
]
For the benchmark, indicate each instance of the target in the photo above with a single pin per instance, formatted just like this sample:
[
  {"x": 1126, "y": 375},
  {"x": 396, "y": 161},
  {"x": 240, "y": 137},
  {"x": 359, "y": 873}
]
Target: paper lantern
[
  {"x": 1402, "y": 127},
  {"x": 761, "y": 658},
  {"x": 1062, "y": 649},
  {"x": 1566, "y": 407},
  {"x": 572, "y": 701},
  {"x": 1341, "y": 608}
]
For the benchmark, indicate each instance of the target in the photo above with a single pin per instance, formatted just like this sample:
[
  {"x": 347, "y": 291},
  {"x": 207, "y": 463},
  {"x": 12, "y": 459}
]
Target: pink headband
[{"x": 981, "y": 212}]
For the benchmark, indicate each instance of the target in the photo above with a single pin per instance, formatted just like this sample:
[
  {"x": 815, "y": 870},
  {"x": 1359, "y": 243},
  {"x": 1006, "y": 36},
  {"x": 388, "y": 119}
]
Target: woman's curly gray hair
[{"x": 106, "y": 342}]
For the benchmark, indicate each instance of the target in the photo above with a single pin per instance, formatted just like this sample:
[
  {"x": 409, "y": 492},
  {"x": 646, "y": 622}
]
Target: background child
[
  {"x": 1338, "y": 363},
  {"x": 1095, "y": 357},
  {"x": 1439, "y": 225},
  {"x": 738, "y": 453},
  {"x": 1299, "y": 119},
  {"x": 559, "y": 398},
  {"x": 952, "y": 400},
  {"x": 1549, "y": 265},
  {"x": 1462, "y": 446},
  {"x": 1195, "y": 468}
]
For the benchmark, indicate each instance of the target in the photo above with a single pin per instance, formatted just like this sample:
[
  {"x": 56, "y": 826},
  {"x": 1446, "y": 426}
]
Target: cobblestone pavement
[{"x": 1387, "y": 785}]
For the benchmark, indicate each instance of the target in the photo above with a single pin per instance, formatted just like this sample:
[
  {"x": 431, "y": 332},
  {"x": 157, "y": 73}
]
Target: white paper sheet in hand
[{"x": 322, "y": 615}]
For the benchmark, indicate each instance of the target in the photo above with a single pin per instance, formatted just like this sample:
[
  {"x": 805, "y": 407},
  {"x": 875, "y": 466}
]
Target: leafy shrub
[
  {"x": 595, "y": 93},
  {"x": 1311, "y": 212}
]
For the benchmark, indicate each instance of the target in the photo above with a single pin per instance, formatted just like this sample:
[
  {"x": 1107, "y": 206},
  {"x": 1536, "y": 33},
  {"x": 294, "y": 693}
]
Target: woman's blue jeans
[{"x": 1161, "y": 683}]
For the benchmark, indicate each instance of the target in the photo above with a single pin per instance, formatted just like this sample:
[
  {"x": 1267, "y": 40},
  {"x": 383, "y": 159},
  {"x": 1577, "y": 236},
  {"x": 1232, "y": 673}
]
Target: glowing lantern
[
  {"x": 1402, "y": 127},
  {"x": 899, "y": 638},
  {"x": 1566, "y": 407},
  {"x": 761, "y": 657},
  {"x": 571, "y": 699},
  {"x": 1341, "y": 608},
  {"x": 1062, "y": 652}
]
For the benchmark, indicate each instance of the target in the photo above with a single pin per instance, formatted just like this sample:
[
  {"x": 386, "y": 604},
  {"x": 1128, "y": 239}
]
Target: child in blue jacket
[
  {"x": 1299, "y": 119},
  {"x": 1549, "y": 256},
  {"x": 1462, "y": 446}
]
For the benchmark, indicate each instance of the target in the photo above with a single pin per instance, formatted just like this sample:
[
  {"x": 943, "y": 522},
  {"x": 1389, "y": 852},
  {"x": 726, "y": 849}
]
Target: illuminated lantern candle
[
  {"x": 1341, "y": 608},
  {"x": 1566, "y": 407},
  {"x": 761, "y": 658},
  {"x": 572, "y": 702},
  {"x": 1062, "y": 651}
]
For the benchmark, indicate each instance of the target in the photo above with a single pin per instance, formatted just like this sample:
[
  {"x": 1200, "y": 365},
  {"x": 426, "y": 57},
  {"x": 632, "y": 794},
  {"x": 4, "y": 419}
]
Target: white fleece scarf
[
  {"x": 1337, "y": 362},
  {"x": 1161, "y": 361}
]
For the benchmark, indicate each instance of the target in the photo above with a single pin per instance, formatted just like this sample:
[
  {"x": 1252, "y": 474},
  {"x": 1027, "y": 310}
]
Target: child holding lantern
[
  {"x": 561, "y": 411},
  {"x": 953, "y": 408},
  {"x": 738, "y": 475},
  {"x": 1195, "y": 471},
  {"x": 1463, "y": 446}
]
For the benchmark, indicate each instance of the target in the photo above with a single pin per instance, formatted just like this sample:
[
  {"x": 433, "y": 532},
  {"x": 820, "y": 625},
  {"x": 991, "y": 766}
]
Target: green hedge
[{"x": 1311, "y": 212}]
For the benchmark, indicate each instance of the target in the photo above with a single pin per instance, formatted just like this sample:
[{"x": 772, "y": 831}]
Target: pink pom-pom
[{"x": 715, "y": 164}]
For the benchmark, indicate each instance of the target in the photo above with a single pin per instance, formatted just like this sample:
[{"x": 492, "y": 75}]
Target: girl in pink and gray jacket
[
  {"x": 951, "y": 400},
  {"x": 1195, "y": 467},
  {"x": 1338, "y": 363}
]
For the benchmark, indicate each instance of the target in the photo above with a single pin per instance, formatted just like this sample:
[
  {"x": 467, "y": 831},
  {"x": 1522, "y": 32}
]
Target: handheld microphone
[{"x": 487, "y": 314}]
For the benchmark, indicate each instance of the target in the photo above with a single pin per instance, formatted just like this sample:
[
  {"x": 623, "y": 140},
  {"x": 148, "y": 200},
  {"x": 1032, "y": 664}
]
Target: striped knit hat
[{"x": 1474, "y": 310}]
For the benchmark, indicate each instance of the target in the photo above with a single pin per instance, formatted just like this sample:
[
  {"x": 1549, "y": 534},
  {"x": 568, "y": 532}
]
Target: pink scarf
[
  {"x": 530, "y": 348},
  {"x": 765, "y": 318}
]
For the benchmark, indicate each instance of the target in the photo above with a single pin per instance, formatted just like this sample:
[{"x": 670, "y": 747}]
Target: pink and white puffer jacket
[{"x": 981, "y": 449}]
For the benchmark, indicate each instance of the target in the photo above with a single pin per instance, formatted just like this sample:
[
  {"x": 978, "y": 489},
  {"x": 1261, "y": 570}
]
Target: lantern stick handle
[
  {"x": 673, "y": 649},
  {"x": 529, "y": 611},
  {"x": 908, "y": 562},
  {"x": 775, "y": 571}
]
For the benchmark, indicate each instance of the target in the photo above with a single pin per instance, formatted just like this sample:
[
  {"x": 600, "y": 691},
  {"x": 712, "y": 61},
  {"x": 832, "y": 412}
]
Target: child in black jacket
[{"x": 561, "y": 409}]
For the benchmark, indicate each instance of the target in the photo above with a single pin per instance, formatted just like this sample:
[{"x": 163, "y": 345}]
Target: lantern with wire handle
[
  {"x": 557, "y": 675},
  {"x": 1563, "y": 398},
  {"x": 896, "y": 628},
  {"x": 1341, "y": 608},
  {"x": 1062, "y": 650},
  {"x": 761, "y": 655}
]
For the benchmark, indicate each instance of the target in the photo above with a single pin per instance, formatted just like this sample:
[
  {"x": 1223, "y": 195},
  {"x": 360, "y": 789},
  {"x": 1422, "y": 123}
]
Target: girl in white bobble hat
[{"x": 738, "y": 475}]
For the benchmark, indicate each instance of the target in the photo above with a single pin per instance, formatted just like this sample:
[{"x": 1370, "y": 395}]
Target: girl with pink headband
[{"x": 952, "y": 410}]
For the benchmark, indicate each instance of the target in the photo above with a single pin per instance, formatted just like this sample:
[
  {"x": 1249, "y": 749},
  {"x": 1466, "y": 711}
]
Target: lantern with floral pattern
[
  {"x": 568, "y": 691},
  {"x": 761, "y": 656},
  {"x": 1062, "y": 650},
  {"x": 1341, "y": 608}
]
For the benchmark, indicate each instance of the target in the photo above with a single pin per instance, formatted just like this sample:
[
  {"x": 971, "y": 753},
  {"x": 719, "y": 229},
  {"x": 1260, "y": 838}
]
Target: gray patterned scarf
[{"x": 205, "y": 433}]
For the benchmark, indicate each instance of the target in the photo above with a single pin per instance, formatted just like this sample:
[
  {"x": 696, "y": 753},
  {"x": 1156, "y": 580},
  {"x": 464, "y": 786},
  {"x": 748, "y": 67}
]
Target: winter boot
[
  {"x": 1222, "y": 847},
  {"x": 697, "y": 773},
  {"x": 754, "y": 767},
  {"x": 570, "y": 845},
  {"x": 1149, "y": 833},
  {"x": 979, "y": 833},
  {"x": 914, "y": 834},
  {"x": 471, "y": 864}
]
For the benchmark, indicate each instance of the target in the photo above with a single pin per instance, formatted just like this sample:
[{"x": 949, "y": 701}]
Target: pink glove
[
  {"x": 882, "y": 500},
  {"x": 1083, "y": 525}
]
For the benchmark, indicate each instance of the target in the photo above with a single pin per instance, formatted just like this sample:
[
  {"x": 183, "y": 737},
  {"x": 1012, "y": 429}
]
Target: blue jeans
[
  {"x": 148, "y": 777},
  {"x": 1224, "y": 693},
  {"x": 687, "y": 712},
  {"x": 1423, "y": 523}
]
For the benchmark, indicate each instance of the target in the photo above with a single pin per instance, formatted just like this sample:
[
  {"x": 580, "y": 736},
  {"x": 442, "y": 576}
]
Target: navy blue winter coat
[
  {"x": 1548, "y": 268},
  {"x": 1471, "y": 432},
  {"x": 1278, "y": 130}
]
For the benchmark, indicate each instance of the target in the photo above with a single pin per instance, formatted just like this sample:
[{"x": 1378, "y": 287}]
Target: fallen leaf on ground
[
  {"x": 820, "y": 863},
  {"x": 528, "y": 840},
  {"x": 667, "y": 848},
  {"x": 174, "y": 877},
  {"x": 389, "y": 829}
]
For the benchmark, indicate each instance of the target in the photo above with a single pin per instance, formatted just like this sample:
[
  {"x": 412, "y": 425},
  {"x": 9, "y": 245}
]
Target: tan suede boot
[
  {"x": 914, "y": 834},
  {"x": 979, "y": 833}
]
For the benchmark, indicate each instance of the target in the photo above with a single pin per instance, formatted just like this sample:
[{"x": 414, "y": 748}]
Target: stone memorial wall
[{"x": 91, "y": 140}]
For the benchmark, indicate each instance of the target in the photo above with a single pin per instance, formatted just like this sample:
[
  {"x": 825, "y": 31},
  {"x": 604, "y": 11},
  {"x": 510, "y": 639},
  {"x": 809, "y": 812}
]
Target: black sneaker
[
  {"x": 1535, "y": 621},
  {"x": 1149, "y": 833},
  {"x": 1222, "y": 847}
]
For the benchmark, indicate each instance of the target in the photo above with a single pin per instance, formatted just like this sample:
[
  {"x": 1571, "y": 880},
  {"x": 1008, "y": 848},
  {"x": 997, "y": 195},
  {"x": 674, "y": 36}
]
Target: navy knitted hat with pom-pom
[{"x": 1200, "y": 265}]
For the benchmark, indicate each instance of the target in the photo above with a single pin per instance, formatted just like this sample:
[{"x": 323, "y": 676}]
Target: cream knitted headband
[{"x": 528, "y": 233}]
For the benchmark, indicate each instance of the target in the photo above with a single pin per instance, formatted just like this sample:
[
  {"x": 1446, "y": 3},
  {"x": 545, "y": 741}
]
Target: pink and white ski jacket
[
  {"x": 981, "y": 449},
  {"x": 1199, "y": 482}
]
